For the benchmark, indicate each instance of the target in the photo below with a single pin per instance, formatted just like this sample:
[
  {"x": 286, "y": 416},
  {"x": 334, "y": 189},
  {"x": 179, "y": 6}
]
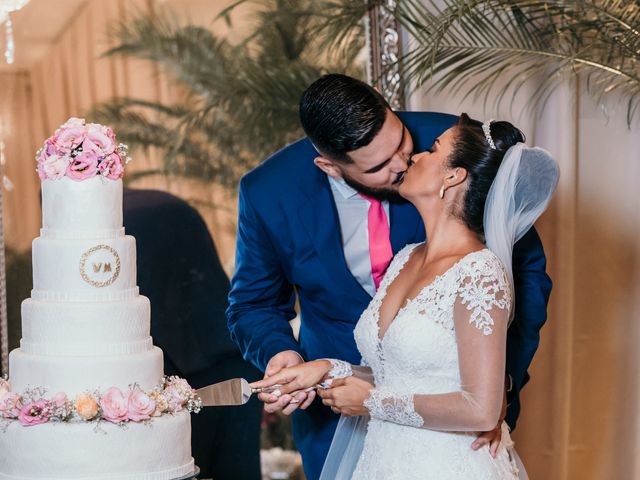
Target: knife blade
[{"x": 236, "y": 391}]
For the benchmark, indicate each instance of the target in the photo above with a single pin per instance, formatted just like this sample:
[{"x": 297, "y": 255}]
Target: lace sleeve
[
  {"x": 481, "y": 315},
  {"x": 339, "y": 369}
]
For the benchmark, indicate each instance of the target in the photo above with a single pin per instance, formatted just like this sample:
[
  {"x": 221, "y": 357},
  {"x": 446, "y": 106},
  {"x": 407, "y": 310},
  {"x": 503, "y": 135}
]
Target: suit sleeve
[
  {"x": 532, "y": 290},
  {"x": 261, "y": 300}
]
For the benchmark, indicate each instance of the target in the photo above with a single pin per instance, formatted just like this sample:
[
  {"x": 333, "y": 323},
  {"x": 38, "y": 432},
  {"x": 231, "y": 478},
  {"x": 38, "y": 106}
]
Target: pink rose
[
  {"x": 53, "y": 167},
  {"x": 10, "y": 405},
  {"x": 59, "y": 399},
  {"x": 69, "y": 137},
  {"x": 99, "y": 138},
  {"x": 73, "y": 121},
  {"x": 174, "y": 399},
  {"x": 141, "y": 406},
  {"x": 111, "y": 167},
  {"x": 182, "y": 386},
  {"x": 35, "y": 413},
  {"x": 114, "y": 405},
  {"x": 61, "y": 406},
  {"x": 83, "y": 166}
]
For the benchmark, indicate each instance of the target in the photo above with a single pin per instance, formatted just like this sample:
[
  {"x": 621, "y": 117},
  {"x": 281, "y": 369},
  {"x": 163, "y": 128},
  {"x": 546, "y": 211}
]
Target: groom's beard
[{"x": 381, "y": 194}]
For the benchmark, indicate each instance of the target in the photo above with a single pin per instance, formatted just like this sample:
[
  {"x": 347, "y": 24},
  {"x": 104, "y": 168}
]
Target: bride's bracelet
[{"x": 339, "y": 369}]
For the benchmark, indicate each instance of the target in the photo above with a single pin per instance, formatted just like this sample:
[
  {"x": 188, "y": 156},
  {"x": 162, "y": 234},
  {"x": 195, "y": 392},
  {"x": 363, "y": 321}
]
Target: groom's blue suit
[{"x": 289, "y": 241}]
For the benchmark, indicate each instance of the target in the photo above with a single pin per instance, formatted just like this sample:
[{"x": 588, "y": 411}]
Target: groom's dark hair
[{"x": 340, "y": 114}]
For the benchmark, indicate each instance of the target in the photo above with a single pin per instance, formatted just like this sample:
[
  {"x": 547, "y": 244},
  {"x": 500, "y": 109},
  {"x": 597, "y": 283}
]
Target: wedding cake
[{"x": 86, "y": 396}]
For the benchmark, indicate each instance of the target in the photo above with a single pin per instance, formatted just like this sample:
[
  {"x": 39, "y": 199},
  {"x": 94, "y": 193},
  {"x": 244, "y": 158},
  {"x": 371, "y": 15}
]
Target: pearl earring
[{"x": 442, "y": 190}]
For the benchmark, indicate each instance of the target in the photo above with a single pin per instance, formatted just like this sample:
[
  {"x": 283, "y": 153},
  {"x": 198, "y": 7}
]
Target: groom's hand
[
  {"x": 493, "y": 437},
  {"x": 274, "y": 403}
]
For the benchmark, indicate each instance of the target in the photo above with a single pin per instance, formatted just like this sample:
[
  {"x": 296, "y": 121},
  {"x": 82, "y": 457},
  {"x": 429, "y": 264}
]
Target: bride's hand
[
  {"x": 296, "y": 378},
  {"x": 347, "y": 396}
]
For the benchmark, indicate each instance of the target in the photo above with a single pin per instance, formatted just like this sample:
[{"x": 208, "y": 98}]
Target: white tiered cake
[{"x": 87, "y": 397}]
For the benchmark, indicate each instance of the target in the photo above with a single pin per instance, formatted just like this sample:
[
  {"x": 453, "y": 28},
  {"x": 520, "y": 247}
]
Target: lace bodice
[
  {"x": 419, "y": 347},
  {"x": 438, "y": 370}
]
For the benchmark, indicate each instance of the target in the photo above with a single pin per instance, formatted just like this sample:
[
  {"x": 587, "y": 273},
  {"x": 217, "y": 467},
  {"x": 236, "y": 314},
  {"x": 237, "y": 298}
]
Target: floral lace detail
[
  {"x": 485, "y": 286},
  {"x": 339, "y": 369},
  {"x": 418, "y": 354},
  {"x": 389, "y": 407}
]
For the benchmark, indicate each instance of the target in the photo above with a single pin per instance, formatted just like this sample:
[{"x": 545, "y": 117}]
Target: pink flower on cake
[
  {"x": 174, "y": 399},
  {"x": 81, "y": 151},
  {"x": 59, "y": 400},
  {"x": 141, "y": 405},
  {"x": 53, "y": 167},
  {"x": 73, "y": 121},
  {"x": 84, "y": 166},
  {"x": 99, "y": 137},
  {"x": 61, "y": 406},
  {"x": 111, "y": 167},
  {"x": 86, "y": 406},
  {"x": 114, "y": 406},
  {"x": 10, "y": 405},
  {"x": 35, "y": 413},
  {"x": 68, "y": 137}
]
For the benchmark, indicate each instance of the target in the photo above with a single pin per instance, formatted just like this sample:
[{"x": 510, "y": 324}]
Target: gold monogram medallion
[{"x": 100, "y": 266}]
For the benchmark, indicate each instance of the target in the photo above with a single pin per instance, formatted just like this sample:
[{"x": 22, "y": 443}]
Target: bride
[{"x": 433, "y": 338}]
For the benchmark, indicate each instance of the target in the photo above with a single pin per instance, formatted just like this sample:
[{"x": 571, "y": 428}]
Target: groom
[{"x": 320, "y": 220}]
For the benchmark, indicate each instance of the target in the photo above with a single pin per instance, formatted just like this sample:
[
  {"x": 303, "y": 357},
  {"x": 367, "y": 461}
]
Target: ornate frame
[
  {"x": 4, "y": 329},
  {"x": 384, "y": 43}
]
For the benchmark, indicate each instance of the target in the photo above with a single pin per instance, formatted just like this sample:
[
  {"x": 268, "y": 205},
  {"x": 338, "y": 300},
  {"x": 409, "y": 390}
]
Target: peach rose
[
  {"x": 114, "y": 405},
  {"x": 161, "y": 403},
  {"x": 86, "y": 406}
]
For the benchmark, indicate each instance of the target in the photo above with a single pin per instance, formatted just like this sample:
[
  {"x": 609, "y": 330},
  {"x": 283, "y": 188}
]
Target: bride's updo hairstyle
[{"x": 471, "y": 151}]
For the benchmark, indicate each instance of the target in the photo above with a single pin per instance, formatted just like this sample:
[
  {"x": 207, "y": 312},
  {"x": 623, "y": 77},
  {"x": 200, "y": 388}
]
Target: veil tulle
[
  {"x": 519, "y": 194},
  {"x": 521, "y": 191},
  {"x": 345, "y": 450}
]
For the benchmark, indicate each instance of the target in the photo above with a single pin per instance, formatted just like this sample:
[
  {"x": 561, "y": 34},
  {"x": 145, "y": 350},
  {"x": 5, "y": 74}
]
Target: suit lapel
[{"x": 319, "y": 216}]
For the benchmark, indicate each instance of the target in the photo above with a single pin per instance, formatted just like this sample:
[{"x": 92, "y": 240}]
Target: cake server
[{"x": 235, "y": 392}]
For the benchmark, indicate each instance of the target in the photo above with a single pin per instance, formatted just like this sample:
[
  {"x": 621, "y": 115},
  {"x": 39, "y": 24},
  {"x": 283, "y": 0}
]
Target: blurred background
[{"x": 202, "y": 91}]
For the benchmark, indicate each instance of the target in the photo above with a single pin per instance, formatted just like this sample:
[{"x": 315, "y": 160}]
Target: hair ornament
[{"x": 486, "y": 128}]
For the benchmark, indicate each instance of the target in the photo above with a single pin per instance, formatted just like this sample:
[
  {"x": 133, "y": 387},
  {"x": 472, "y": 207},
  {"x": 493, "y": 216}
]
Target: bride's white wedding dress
[{"x": 427, "y": 404}]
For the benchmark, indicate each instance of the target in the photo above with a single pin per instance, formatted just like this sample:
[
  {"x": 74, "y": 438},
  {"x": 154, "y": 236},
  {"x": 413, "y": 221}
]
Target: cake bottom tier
[{"x": 159, "y": 450}]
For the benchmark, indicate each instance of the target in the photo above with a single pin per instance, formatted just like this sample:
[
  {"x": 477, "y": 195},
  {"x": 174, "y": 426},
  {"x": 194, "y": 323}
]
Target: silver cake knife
[{"x": 234, "y": 392}]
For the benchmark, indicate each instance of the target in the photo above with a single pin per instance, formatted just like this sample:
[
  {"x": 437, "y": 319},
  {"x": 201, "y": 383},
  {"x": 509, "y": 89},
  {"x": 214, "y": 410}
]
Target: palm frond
[
  {"x": 496, "y": 48},
  {"x": 242, "y": 101}
]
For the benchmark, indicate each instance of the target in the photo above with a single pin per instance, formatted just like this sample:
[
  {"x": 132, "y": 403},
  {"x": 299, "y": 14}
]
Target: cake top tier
[
  {"x": 80, "y": 151},
  {"x": 81, "y": 167}
]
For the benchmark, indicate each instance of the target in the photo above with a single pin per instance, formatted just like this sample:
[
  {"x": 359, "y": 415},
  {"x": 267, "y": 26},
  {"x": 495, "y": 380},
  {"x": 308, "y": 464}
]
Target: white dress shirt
[{"x": 353, "y": 212}]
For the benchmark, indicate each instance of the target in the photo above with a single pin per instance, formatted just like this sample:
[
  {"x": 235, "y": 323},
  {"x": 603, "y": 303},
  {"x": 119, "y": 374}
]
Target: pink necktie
[{"x": 380, "y": 251}]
